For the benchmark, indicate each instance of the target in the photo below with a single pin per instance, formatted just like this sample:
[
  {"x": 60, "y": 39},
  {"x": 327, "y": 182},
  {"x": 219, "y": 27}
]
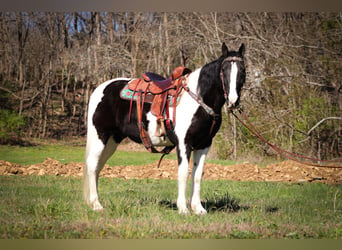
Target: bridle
[{"x": 228, "y": 59}]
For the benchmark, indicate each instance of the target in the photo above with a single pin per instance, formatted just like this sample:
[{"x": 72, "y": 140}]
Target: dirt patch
[{"x": 287, "y": 171}]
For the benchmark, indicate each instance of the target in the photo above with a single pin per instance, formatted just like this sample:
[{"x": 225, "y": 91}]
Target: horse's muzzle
[{"x": 231, "y": 105}]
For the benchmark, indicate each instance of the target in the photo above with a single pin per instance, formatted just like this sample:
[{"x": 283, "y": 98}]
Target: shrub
[{"x": 10, "y": 124}]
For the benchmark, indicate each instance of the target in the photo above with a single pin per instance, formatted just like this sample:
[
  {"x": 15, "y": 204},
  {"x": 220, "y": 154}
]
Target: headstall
[{"x": 228, "y": 59}]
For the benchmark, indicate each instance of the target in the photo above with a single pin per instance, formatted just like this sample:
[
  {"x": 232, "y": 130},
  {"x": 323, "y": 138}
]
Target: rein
[
  {"x": 282, "y": 152},
  {"x": 254, "y": 131}
]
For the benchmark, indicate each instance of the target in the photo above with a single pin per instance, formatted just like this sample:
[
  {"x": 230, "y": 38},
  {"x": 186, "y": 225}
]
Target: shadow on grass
[
  {"x": 271, "y": 209},
  {"x": 223, "y": 204}
]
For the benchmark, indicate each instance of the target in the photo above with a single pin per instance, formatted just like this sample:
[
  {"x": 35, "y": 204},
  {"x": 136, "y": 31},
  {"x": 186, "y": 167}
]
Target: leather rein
[
  {"x": 254, "y": 131},
  {"x": 287, "y": 154}
]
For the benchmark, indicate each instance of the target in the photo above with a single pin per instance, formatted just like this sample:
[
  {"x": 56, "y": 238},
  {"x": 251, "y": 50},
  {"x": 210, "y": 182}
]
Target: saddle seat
[
  {"x": 156, "y": 84},
  {"x": 156, "y": 89},
  {"x": 150, "y": 76}
]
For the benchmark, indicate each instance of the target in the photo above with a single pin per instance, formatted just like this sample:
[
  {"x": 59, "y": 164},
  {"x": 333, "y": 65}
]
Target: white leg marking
[
  {"x": 182, "y": 181},
  {"x": 91, "y": 171},
  {"x": 199, "y": 158},
  {"x": 233, "y": 96},
  {"x": 97, "y": 155}
]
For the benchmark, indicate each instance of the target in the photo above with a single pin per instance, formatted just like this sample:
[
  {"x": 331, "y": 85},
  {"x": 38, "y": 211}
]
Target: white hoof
[
  {"x": 97, "y": 206},
  {"x": 183, "y": 211},
  {"x": 198, "y": 210}
]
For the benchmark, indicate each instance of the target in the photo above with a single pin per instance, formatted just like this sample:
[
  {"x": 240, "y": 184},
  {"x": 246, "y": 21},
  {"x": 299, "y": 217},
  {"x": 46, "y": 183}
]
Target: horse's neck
[{"x": 210, "y": 87}]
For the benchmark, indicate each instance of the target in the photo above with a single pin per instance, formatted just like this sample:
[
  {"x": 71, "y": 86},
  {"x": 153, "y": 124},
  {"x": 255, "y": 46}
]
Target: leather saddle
[
  {"x": 159, "y": 91},
  {"x": 156, "y": 84}
]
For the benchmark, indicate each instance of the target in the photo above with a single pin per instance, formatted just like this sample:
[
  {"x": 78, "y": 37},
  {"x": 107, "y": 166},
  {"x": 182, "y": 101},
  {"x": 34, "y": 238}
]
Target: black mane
[{"x": 210, "y": 86}]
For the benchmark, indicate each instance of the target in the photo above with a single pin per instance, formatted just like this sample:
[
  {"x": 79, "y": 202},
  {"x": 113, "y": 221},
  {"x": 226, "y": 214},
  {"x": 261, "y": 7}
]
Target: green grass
[
  {"x": 66, "y": 153},
  {"x": 52, "y": 206}
]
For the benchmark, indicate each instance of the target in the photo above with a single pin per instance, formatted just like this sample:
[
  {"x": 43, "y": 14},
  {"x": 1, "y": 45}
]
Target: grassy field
[
  {"x": 66, "y": 153},
  {"x": 52, "y": 206}
]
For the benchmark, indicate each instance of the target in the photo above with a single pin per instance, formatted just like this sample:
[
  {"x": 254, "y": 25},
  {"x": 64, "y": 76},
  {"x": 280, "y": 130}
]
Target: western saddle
[{"x": 161, "y": 93}]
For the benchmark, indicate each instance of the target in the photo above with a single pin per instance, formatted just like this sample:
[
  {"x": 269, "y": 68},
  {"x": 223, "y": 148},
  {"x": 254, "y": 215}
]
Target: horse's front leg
[
  {"x": 197, "y": 171},
  {"x": 183, "y": 166}
]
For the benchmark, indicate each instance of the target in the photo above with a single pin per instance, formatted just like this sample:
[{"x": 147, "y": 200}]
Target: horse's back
[
  {"x": 104, "y": 90},
  {"x": 99, "y": 91}
]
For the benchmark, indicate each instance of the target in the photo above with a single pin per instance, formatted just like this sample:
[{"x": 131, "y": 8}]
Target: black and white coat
[{"x": 108, "y": 124}]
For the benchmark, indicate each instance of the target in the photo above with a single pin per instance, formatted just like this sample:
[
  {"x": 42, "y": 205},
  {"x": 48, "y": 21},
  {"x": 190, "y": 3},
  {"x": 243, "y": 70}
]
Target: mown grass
[{"x": 52, "y": 206}]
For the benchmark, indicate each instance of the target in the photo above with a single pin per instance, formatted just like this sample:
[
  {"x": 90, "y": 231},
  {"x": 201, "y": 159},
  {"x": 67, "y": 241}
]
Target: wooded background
[{"x": 51, "y": 62}]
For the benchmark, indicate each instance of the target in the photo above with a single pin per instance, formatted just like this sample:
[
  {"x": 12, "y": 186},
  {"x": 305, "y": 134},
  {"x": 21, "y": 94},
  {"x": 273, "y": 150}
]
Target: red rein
[{"x": 283, "y": 152}]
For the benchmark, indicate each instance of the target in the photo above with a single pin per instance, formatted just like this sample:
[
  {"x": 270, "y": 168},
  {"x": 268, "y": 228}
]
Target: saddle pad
[{"x": 127, "y": 94}]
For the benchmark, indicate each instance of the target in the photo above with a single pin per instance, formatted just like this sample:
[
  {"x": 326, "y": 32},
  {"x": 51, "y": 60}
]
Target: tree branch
[
  {"x": 321, "y": 121},
  {"x": 13, "y": 94},
  {"x": 18, "y": 97}
]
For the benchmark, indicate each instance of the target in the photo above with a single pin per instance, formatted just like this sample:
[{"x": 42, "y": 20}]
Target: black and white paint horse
[{"x": 215, "y": 84}]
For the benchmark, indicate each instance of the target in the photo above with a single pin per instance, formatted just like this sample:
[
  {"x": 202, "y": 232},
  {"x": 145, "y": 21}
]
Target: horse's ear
[
  {"x": 242, "y": 49},
  {"x": 224, "y": 50}
]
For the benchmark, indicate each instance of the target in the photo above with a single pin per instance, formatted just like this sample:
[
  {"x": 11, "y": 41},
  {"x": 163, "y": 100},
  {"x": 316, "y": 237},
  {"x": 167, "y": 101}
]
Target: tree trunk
[
  {"x": 98, "y": 43},
  {"x": 22, "y": 32},
  {"x": 47, "y": 84},
  {"x": 167, "y": 46}
]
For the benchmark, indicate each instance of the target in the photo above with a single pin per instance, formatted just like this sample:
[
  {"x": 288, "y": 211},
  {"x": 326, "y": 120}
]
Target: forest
[{"x": 52, "y": 61}]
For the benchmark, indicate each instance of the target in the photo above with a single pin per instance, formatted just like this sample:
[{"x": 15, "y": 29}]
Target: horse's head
[{"x": 232, "y": 74}]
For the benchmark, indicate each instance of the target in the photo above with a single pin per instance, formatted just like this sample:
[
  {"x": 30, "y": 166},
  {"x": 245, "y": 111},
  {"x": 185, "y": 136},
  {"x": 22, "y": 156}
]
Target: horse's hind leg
[{"x": 96, "y": 156}]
